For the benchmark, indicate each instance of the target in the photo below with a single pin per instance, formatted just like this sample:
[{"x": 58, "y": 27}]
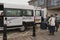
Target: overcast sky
[{"x": 21, "y": 2}]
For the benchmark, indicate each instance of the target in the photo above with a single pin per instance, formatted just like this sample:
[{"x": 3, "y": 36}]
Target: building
[
  {"x": 50, "y": 6},
  {"x": 33, "y": 2},
  {"x": 36, "y": 3}
]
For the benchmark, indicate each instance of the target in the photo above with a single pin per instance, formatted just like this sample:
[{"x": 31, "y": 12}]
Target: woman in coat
[{"x": 52, "y": 25}]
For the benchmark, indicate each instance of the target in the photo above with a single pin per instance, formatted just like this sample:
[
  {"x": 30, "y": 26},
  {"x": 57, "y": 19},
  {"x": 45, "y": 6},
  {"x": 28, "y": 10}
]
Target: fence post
[
  {"x": 5, "y": 31},
  {"x": 34, "y": 30}
]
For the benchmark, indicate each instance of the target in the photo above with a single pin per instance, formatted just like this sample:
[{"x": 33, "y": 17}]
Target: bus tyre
[{"x": 22, "y": 28}]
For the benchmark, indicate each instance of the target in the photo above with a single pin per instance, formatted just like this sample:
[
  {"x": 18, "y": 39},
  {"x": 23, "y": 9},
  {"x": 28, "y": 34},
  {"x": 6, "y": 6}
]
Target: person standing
[
  {"x": 56, "y": 22},
  {"x": 47, "y": 22},
  {"x": 51, "y": 25}
]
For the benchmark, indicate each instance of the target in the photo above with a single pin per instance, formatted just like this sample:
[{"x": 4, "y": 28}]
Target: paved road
[
  {"x": 27, "y": 35},
  {"x": 40, "y": 35}
]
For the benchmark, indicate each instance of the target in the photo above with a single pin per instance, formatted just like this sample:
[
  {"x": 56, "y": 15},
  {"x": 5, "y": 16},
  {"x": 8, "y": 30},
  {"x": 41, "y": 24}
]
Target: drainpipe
[{"x": 46, "y": 5}]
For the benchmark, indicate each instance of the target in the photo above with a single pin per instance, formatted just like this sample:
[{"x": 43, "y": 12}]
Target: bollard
[
  {"x": 34, "y": 30},
  {"x": 5, "y": 32}
]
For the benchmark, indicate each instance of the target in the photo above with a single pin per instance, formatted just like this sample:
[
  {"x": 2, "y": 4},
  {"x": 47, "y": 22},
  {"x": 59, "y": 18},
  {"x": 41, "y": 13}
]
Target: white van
[
  {"x": 12, "y": 16},
  {"x": 18, "y": 16}
]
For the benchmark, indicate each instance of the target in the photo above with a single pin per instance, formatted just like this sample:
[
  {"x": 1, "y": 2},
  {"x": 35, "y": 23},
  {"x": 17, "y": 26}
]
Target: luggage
[{"x": 43, "y": 26}]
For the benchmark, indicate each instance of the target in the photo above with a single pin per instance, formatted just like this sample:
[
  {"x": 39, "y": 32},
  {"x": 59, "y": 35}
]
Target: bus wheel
[{"x": 22, "y": 28}]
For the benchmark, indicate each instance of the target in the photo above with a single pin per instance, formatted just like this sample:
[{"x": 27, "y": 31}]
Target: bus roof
[{"x": 17, "y": 6}]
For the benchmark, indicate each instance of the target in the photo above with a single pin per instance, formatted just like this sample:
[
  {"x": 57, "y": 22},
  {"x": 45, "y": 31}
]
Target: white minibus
[{"x": 18, "y": 16}]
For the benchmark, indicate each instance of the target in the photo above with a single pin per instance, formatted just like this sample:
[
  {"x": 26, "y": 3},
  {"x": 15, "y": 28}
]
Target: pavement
[{"x": 27, "y": 35}]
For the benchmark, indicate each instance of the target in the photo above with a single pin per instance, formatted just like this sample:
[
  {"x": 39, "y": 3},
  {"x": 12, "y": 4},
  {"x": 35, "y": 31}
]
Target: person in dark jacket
[
  {"x": 56, "y": 22},
  {"x": 42, "y": 19}
]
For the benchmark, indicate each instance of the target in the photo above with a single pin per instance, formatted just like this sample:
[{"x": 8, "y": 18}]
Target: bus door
[
  {"x": 14, "y": 17},
  {"x": 37, "y": 17}
]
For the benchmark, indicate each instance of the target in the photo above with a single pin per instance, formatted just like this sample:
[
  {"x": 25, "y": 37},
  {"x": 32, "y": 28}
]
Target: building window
[
  {"x": 1, "y": 7},
  {"x": 41, "y": 2},
  {"x": 54, "y": 2}
]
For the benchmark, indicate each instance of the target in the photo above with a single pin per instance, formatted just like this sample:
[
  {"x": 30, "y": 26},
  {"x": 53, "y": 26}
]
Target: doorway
[
  {"x": 1, "y": 15},
  {"x": 1, "y": 21}
]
